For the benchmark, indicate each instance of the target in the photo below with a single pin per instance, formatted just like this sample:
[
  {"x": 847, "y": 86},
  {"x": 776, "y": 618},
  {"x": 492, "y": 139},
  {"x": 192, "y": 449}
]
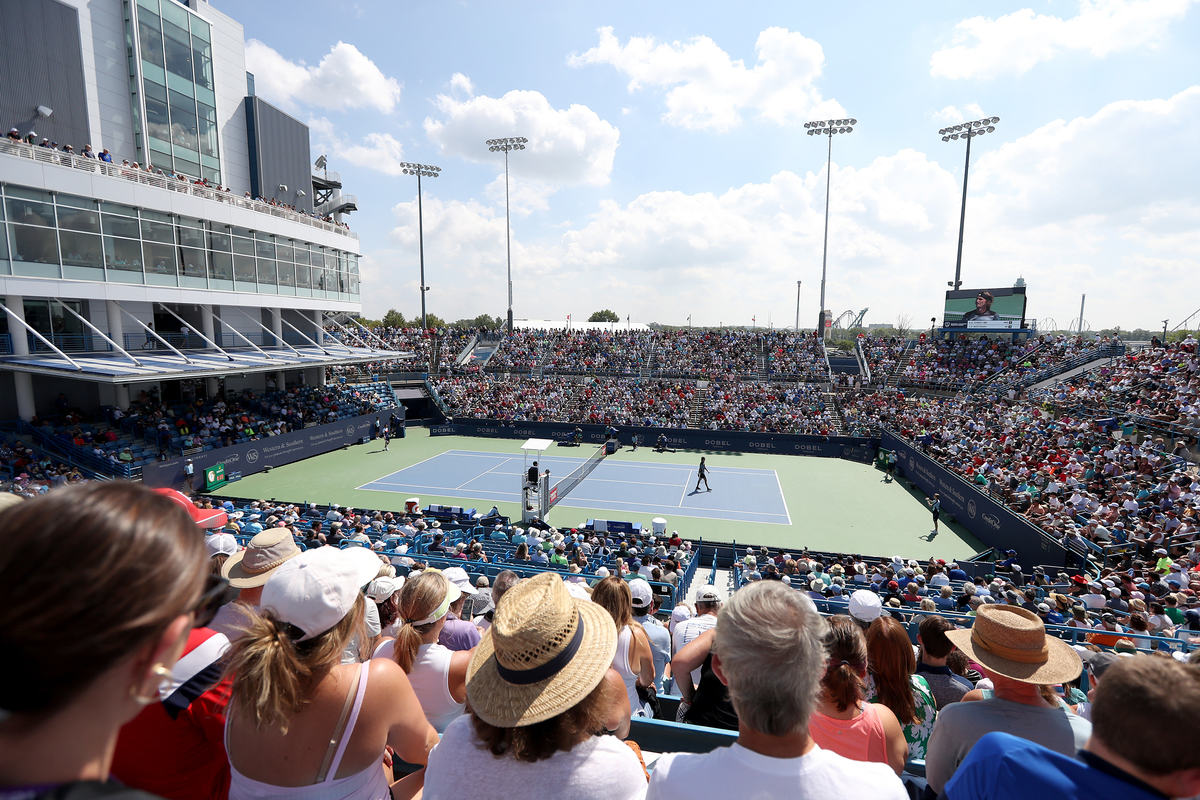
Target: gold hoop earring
[{"x": 164, "y": 678}]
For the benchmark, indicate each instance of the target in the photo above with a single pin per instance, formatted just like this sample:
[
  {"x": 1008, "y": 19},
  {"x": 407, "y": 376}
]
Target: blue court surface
[{"x": 738, "y": 495}]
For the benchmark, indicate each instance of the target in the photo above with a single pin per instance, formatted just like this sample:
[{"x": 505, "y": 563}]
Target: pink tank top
[{"x": 860, "y": 739}]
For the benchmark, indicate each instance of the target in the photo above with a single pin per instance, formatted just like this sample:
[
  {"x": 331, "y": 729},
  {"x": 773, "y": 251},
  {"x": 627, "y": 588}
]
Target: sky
[{"x": 669, "y": 177}]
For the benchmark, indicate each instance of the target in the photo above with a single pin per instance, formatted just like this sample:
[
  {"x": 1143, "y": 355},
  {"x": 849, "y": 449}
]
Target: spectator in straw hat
[
  {"x": 1011, "y": 645},
  {"x": 248, "y": 571},
  {"x": 539, "y": 687},
  {"x": 1144, "y": 744}
]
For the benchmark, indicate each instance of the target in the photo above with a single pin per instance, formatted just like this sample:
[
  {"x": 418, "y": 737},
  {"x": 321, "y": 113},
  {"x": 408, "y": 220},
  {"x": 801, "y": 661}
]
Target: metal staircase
[
  {"x": 894, "y": 376},
  {"x": 696, "y": 408},
  {"x": 839, "y": 423}
]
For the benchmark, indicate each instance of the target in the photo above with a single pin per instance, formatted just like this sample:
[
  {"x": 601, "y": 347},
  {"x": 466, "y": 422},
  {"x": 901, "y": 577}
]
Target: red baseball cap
[{"x": 204, "y": 517}]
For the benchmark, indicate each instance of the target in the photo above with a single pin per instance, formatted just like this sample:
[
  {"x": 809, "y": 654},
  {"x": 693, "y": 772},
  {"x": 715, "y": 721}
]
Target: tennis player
[{"x": 702, "y": 476}]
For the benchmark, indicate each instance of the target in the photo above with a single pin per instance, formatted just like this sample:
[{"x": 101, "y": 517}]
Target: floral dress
[{"x": 917, "y": 733}]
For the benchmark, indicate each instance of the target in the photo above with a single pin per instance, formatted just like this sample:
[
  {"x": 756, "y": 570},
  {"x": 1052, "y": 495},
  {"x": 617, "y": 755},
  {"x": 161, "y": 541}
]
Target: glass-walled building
[
  {"x": 57, "y": 235},
  {"x": 221, "y": 255},
  {"x": 171, "y": 48}
]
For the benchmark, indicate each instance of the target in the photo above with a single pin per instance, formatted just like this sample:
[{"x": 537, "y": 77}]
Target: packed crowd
[
  {"x": 134, "y": 170},
  {"x": 959, "y": 363},
  {"x": 591, "y": 351},
  {"x": 643, "y": 402},
  {"x": 520, "y": 399},
  {"x": 768, "y": 408},
  {"x": 28, "y": 473},
  {"x": 721, "y": 354},
  {"x": 796, "y": 356},
  {"x": 882, "y": 353},
  {"x": 1068, "y": 473},
  {"x": 1050, "y": 352},
  {"x": 1157, "y": 384},
  {"x": 216, "y": 670}
]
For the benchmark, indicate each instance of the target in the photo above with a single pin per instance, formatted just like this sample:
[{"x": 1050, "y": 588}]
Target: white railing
[
  {"x": 72, "y": 161},
  {"x": 337, "y": 204}
]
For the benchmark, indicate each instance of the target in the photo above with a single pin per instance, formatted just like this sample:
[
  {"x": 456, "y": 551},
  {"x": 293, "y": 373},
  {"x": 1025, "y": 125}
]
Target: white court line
[
  {"x": 659, "y": 505},
  {"x": 628, "y": 464},
  {"x": 784, "y": 497},
  {"x": 485, "y": 472},
  {"x": 410, "y": 466}
]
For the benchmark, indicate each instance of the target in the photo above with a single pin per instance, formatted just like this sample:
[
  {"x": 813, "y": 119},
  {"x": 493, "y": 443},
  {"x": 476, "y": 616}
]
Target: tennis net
[{"x": 564, "y": 487}]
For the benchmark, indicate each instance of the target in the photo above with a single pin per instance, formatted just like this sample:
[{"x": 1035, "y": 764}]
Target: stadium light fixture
[
  {"x": 505, "y": 146},
  {"x": 421, "y": 171},
  {"x": 968, "y": 131},
  {"x": 827, "y": 128}
]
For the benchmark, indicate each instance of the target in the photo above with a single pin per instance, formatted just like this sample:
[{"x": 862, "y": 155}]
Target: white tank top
[
  {"x": 430, "y": 679},
  {"x": 621, "y": 665},
  {"x": 370, "y": 784}
]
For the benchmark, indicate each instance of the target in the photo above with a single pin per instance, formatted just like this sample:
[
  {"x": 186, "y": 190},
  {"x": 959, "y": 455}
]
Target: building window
[{"x": 176, "y": 76}]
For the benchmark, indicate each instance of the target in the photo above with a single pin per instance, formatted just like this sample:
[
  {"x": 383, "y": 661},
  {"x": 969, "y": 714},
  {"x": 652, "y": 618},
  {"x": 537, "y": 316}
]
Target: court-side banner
[
  {"x": 273, "y": 451},
  {"x": 737, "y": 441},
  {"x": 991, "y": 522}
]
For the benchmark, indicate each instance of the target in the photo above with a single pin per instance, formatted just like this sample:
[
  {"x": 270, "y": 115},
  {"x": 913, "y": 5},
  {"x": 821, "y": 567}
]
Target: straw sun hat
[
  {"x": 544, "y": 653},
  {"x": 1010, "y": 641}
]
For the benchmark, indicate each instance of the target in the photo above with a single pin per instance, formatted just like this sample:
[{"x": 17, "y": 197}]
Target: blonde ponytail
[
  {"x": 419, "y": 597},
  {"x": 273, "y": 672}
]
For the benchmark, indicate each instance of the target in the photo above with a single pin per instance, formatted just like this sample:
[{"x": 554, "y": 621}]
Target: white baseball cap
[
  {"x": 459, "y": 577},
  {"x": 316, "y": 590},
  {"x": 643, "y": 595},
  {"x": 865, "y": 606},
  {"x": 221, "y": 543},
  {"x": 381, "y": 589}
]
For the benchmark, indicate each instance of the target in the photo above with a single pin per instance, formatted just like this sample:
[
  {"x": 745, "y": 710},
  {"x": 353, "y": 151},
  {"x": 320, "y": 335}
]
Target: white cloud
[
  {"x": 378, "y": 151},
  {"x": 566, "y": 146},
  {"x": 706, "y": 88},
  {"x": 951, "y": 114},
  {"x": 462, "y": 83},
  {"x": 524, "y": 197},
  {"x": 1068, "y": 207},
  {"x": 1014, "y": 43},
  {"x": 344, "y": 79}
]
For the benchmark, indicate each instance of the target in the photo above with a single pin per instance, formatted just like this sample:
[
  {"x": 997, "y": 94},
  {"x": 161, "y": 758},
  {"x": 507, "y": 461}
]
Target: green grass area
[{"x": 834, "y": 504}]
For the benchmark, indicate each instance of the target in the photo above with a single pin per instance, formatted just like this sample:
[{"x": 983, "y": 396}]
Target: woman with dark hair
[
  {"x": 522, "y": 553},
  {"x": 438, "y": 675},
  {"x": 301, "y": 723},
  {"x": 894, "y": 683},
  {"x": 85, "y": 650},
  {"x": 843, "y": 721},
  {"x": 540, "y": 688},
  {"x": 634, "y": 660}
]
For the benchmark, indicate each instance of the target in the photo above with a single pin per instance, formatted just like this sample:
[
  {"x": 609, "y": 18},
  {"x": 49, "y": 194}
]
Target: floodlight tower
[
  {"x": 427, "y": 171},
  {"x": 968, "y": 131},
  {"x": 827, "y": 128},
  {"x": 504, "y": 145}
]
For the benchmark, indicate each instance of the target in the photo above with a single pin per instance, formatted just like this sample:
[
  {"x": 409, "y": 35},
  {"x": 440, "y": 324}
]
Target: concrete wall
[
  {"x": 229, "y": 73},
  {"x": 106, "y": 77},
  {"x": 279, "y": 155},
  {"x": 41, "y": 64}
]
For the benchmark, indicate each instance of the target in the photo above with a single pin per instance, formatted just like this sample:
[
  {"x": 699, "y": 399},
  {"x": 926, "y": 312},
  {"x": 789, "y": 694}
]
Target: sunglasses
[{"x": 210, "y": 600}]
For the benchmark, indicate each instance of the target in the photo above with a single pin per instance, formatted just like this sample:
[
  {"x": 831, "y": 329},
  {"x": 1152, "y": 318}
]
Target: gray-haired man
[{"x": 768, "y": 651}]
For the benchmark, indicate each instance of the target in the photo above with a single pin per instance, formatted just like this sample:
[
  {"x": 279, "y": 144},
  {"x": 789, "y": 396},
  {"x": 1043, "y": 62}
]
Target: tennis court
[{"x": 738, "y": 495}]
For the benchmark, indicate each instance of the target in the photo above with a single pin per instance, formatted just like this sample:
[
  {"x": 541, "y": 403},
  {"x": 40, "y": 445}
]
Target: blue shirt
[{"x": 1004, "y": 767}]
